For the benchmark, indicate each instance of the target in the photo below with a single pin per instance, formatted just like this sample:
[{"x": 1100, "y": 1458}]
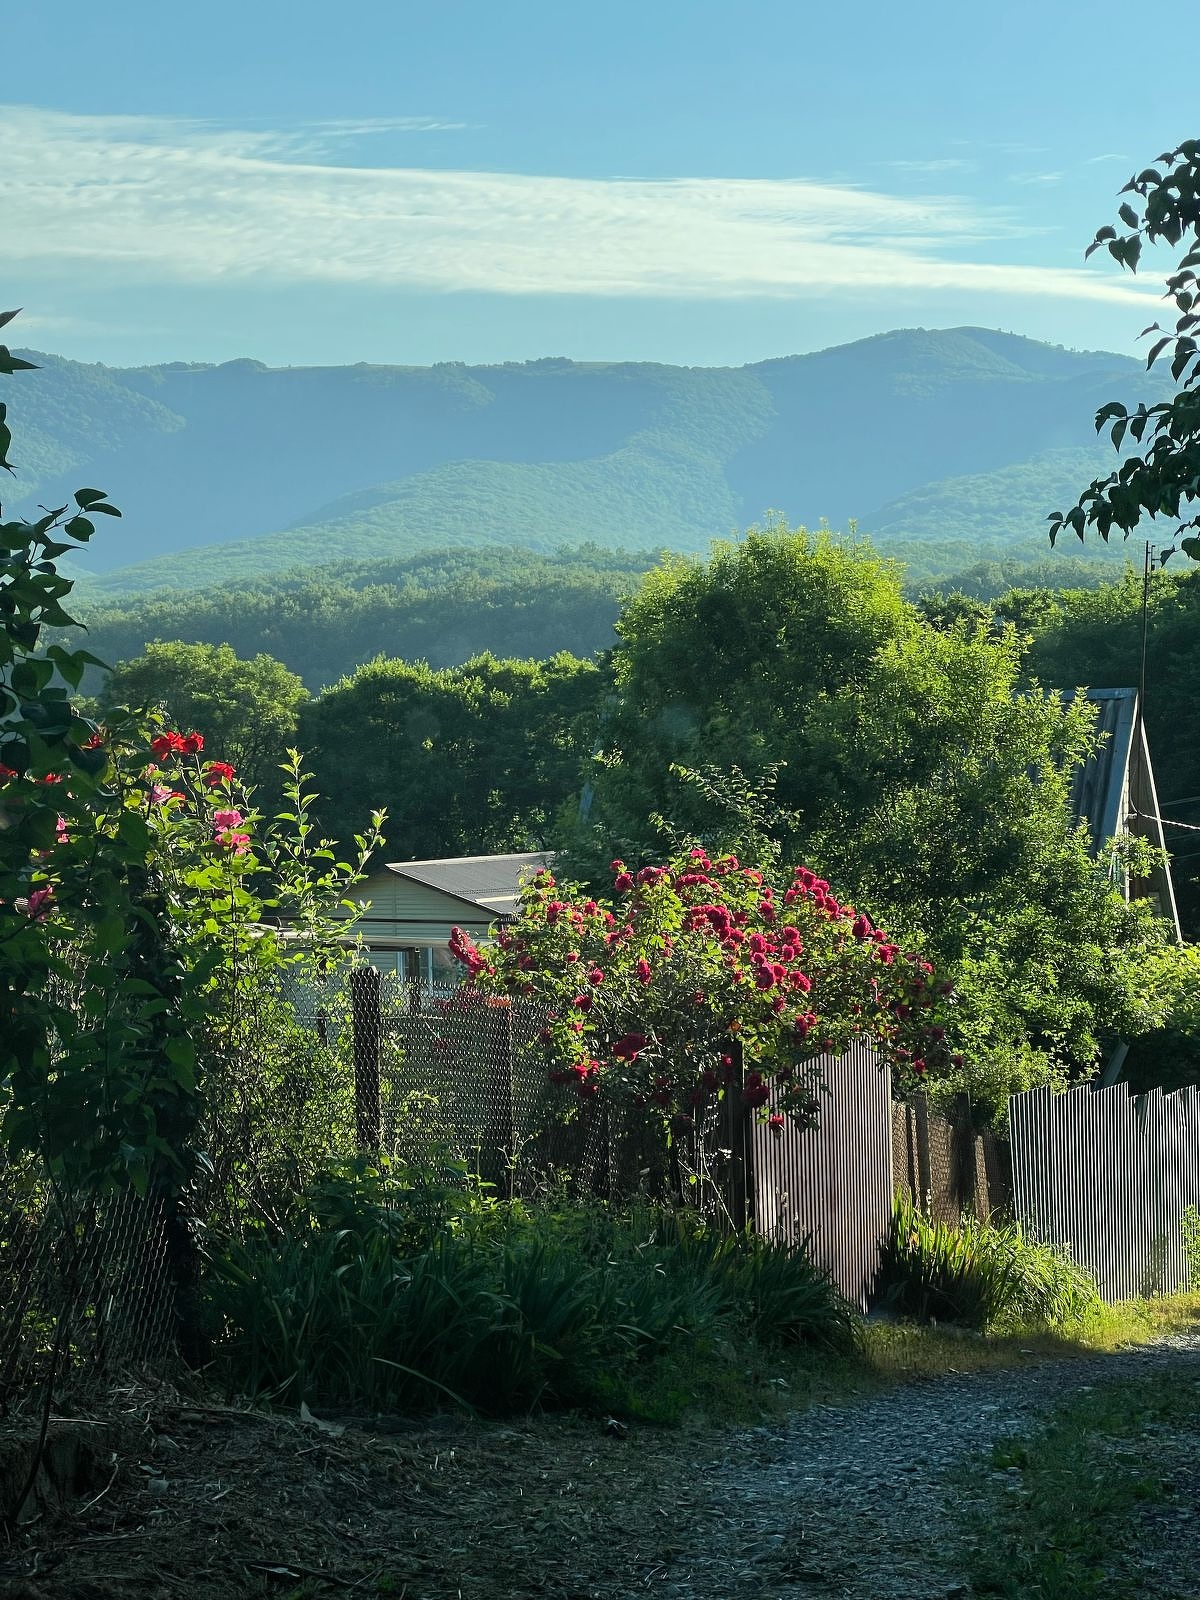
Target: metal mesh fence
[
  {"x": 314, "y": 1070},
  {"x": 84, "y": 1285},
  {"x": 460, "y": 1073},
  {"x": 96, "y": 1286}
]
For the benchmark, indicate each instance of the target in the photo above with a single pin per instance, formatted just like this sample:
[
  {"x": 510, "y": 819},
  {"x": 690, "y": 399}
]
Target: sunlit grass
[
  {"x": 738, "y": 1384},
  {"x": 1056, "y": 1513},
  {"x": 903, "y": 1352}
]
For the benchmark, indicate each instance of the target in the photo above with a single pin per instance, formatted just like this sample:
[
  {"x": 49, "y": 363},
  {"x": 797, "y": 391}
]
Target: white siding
[{"x": 402, "y": 914}]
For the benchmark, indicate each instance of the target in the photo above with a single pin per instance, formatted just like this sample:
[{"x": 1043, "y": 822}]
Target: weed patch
[
  {"x": 980, "y": 1275},
  {"x": 1062, "y": 1510},
  {"x": 371, "y": 1297}
]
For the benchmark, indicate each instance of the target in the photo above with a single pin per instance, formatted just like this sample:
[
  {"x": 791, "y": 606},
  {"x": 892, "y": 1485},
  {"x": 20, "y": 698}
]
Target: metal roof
[
  {"x": 1113, "y": 793},
  {"x": 1098, "y": 788},
  {"x": 492, "y": 883}
]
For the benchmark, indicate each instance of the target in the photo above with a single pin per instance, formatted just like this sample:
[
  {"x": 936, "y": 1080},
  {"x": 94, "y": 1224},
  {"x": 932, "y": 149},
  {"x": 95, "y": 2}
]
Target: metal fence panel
[
  {"x": 1109, "y": 1175},
  {"x": 832, "y": 1184}
]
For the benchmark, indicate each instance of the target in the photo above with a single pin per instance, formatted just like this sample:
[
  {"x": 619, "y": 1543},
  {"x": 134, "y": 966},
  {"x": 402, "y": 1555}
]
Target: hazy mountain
[{"x": 963, "y": 438}]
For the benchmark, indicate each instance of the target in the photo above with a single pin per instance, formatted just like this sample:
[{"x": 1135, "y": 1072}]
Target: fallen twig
[
  {"x": 290, "y": 1569},
  {"x": 96, "y": 1499}
]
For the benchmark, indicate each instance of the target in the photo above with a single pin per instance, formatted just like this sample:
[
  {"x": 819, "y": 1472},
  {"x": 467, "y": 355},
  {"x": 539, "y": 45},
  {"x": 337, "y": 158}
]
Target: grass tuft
[
  {"x": 1057, "y": 1513},
  {"x": 980, "y": 1275}
]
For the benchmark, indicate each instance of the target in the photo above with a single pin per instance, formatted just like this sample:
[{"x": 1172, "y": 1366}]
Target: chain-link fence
[
  {"x": 308, "y": 1072},
  {"x": 462, "y": 1073},
  {"x": 86, "y": 1287},
  {"x": 96, "y": 1286}
]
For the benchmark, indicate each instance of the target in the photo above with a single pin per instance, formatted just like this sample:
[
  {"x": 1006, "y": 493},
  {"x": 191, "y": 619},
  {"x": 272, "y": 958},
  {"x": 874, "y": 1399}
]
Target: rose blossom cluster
[
  {"x": 167, "y": 749},
  {"x": 701, "y": 978}
]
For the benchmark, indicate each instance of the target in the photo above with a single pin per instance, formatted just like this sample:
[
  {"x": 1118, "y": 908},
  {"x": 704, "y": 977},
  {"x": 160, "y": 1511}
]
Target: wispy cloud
[
  {"x": 141, "y": 200},
  {"x": 940, "y": 164},
  {"x": 1032, "y": 179}
]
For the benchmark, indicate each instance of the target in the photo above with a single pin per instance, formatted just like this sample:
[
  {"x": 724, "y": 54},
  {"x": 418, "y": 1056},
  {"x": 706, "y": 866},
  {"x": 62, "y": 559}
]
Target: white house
[{"x": 412, "y": 906}]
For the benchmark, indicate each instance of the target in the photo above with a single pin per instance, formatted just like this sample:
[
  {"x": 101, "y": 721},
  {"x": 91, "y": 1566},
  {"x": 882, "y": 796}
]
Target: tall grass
[
  {"x": 1191, "y": 1246},
  {"x": 358, "y": 1303},
  {"x": 982, "y": 1275}
]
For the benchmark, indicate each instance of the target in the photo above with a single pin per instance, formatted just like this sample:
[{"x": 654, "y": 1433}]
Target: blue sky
[{"x": 689, "y": 182}]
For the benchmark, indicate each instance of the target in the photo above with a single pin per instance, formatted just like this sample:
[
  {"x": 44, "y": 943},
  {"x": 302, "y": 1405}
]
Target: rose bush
[
  {"x": 147, "y": 930},
  {"x": 700, "y": 978},
  {"x": 137, "y": 885}
]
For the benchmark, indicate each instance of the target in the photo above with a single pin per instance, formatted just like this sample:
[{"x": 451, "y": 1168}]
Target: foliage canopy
[
  {"x": 907, "y": 763},
  {"x": 1164, "y": 206}
]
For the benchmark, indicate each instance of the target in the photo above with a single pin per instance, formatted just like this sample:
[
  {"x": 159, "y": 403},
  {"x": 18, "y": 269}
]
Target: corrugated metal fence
[
  {"x": 832, "y": 1184},
  {"x": 1110, "y": 1175}
]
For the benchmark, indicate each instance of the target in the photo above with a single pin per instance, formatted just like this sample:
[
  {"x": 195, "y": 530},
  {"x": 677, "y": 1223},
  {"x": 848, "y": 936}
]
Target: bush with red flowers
[
  {"x": 135, "y": 881},
  {"x": 700, "y": 977}
]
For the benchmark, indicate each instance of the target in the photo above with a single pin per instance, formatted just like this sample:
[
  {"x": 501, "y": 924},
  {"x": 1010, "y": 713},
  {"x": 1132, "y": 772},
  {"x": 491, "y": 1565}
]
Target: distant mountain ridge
[{"x": 235, "y": 471}]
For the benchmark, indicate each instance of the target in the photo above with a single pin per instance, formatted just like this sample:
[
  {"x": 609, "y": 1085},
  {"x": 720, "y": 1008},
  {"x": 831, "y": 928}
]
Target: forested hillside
[
  {"x": 442, "y": 607},
  {"x": 445, "y": 606},
  {"x": 963, "y": 439}
]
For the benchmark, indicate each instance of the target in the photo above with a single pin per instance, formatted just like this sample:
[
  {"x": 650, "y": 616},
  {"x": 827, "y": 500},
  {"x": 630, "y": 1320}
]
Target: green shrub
[
  {"x": 390, "y": 1288},
  {"x": 786, "y": 1299},
  {"x": 980, "y": 1274},
  {"x": 1191, "y": 1247}
]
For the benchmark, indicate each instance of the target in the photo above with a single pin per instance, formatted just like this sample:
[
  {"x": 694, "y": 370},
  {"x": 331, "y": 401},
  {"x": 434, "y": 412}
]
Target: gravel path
[{"x": 858, "y": 1501}]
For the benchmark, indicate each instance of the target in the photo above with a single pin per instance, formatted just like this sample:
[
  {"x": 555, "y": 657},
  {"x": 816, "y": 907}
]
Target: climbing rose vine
[{"x": 699, "y": 978}]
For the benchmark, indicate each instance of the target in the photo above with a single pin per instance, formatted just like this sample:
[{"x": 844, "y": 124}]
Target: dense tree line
[
  {"x": 467, "y": 760},
  {"x": 785, "y": 697},
  {"x": 442, "y": 607}
]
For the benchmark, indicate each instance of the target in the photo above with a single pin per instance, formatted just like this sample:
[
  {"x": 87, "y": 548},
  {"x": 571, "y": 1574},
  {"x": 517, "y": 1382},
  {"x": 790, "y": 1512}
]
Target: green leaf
[
  {"x": 10, "y": 363},
  {"x": 1191, "y": 547},
  {"x": 1156, "y": 351}
]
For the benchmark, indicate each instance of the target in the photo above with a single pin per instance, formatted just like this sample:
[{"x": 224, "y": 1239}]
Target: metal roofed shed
[
  {"x": 412, "y": 906},
  {"x": 1113, "y": 791}
]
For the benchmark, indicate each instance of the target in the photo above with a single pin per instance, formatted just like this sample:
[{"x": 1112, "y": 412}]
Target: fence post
[
  {"x": 924, "y": 1195},
  {"x": 499, "y": 1134},
  {"x": 736, "y": 1134},
  {"x": 965, "y": 1175},
  {"x": 366, "y": 1017}
]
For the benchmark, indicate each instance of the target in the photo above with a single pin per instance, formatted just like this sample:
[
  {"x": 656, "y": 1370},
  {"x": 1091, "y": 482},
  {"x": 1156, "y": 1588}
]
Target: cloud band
[{"x": 137, "y": 200}]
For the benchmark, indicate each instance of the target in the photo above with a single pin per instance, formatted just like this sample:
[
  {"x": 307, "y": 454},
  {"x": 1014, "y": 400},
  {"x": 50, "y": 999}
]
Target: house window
[{"x": 430, "y": 966}]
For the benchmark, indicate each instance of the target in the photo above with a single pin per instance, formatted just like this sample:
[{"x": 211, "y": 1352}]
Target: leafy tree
[
  {"x": 247, "y": 710},
  {"x": 465, "y": 760},
  {"x": 720, "y": 665},
  {"x": 1165, "y": 479},
  {"x": 903, "y": 761}
]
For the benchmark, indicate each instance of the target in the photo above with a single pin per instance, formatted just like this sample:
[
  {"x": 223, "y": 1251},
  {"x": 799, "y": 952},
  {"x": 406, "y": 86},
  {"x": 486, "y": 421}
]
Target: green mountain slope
[
  {"x": 240, "y": 470},
  {"x": 992, "y": 515}
]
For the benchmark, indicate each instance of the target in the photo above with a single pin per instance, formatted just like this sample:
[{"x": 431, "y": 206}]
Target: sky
[{"x": 674, "y": 180}]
